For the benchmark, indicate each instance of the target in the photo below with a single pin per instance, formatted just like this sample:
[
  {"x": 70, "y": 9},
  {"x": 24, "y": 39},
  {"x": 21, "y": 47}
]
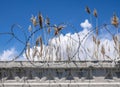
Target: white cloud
[
  {"x": 86, "y": 24},
  {"x": 77, "y": 46},
  {"x": 8, "y": 54},
  {"x": 64, "y": 46}
]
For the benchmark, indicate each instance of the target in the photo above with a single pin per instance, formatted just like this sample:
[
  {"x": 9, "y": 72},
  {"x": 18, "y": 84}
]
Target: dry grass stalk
[
  {"x": 103, "y": 50},
  {"x": 94, "y": 39},
  {"x": 59, "y": 39},
  {"x": 48, "y": 30},
  {"x": 40, "y": 20},
  {"x": 28, "y": 48},
  {"x": 56, "y": 32},
  {"x": 58, "y": 53},
  {"x": 58, "y": 29},
  {"x": 34, "y": 52},
  {"x": 115, "y": 39},
  {"x": 117, "y": 45},
  {"x": 95, "y": 13},
  {"x": 87, "y": 10},
  {"x": 41, "y": 45},
  {"x": 30, "y": 28},
  {"x": 39, "y": 41},
  {"x": 115, "y": 20},
  {"x": 68, "y": 50},
  {"x": 47, "y": 21},
  {"x": 98, "y": 42},
  {"x": 97, "y": 48},
  {"x": 97, "y": 31},
  {"x": 96, "y": 54},
  {"x": 34, "y": 21}
]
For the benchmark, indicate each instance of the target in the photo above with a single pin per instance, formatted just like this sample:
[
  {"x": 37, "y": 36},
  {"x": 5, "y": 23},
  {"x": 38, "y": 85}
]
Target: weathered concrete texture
[
  {"x": 74, "y": 64},
  {"x": 59, "y": 74},
  {"x": 61, "y": 85}
]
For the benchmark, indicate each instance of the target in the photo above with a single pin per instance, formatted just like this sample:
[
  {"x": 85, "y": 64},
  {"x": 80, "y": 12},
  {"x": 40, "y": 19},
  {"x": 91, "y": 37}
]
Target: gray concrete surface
[{"x": 59, "y": 74}]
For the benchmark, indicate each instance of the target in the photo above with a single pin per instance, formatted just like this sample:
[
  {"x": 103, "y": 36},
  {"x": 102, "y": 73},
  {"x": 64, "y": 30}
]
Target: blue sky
[
  {"x": 73, "y": 11},
  {"x": 20, "y": 11}
]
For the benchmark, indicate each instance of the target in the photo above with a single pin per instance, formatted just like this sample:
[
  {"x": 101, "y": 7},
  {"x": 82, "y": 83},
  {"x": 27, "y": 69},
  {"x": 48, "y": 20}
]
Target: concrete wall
[{"x": 59, "y": 74}]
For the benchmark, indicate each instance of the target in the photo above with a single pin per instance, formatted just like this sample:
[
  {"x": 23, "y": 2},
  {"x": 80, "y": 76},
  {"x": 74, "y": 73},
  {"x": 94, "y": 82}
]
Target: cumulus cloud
[
  {"x": 86, "y": 24},
  {"x": 76, "y": 46},
  {"x": 8, "y": 54},
  {"x": 64, "y": 47}
]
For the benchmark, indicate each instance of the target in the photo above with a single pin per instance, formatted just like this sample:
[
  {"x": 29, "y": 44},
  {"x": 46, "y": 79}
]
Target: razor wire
[{"x": 52, "y": 32}]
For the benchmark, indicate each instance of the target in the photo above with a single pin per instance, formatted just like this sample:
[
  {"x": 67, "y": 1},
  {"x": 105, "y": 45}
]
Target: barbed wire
[{"x": 48, "y": 42}]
